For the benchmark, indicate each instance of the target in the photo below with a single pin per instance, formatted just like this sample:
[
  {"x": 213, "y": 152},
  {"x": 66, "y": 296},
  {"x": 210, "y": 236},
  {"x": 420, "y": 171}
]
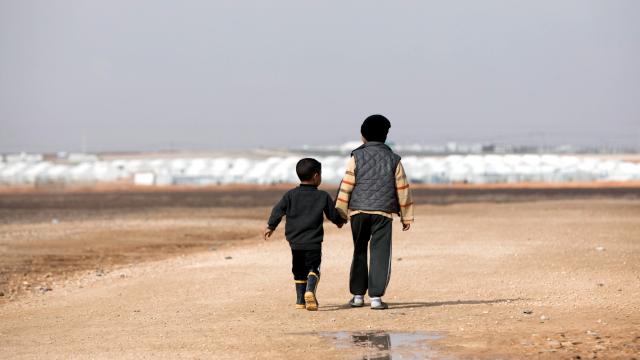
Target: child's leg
[
  {"x": 361, "y": 232},
  {"x": 380, "y": 269},
  {"x": 312, "y": 261},
  {"x": 299, "y": 270}
]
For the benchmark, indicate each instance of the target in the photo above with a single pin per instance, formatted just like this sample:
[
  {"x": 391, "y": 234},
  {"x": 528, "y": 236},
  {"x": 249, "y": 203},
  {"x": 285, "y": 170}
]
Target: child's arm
[
  {"x": 278, "y": 211},
  {"x": 346, "y": 187},
  {"x": 332, "y": 213},
  {"x": 404, "y": 198}
]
